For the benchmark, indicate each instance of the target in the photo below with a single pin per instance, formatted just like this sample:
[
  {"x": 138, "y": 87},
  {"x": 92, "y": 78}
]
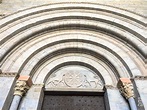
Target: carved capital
[
  {"x": 21, "y": 88},
  {"x": 22, "y": 85},
  {"x": 126, "y": 87}
]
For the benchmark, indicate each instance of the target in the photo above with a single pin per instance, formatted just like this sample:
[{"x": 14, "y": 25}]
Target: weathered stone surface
[
  {"x": 142, "y": 88},
  {"x": 126, "y": 87},
  {"x": 6, "y": 91},
  {"x": 74, "y": 77},
  {"x": 33, "y": 99},
  {"x": 137, "y": 6},
  {"x": 115, "y": 100},
  {"x": 107, "y": 37}
]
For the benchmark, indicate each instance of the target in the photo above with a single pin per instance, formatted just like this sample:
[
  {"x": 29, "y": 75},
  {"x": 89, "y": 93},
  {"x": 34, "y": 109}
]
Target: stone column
[
  {"x": 22, "y": 85},
  {"x": 126, "y": 89}
]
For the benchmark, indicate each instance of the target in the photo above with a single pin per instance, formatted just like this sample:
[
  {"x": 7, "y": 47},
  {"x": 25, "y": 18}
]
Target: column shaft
[
  {"x": 132, "y": 103},
  {"x": 21, "y": 87},
  {"x": 7, "y": 83},
  {"x": 15, "y": 102},
  {"x": 126, "y": 88}
]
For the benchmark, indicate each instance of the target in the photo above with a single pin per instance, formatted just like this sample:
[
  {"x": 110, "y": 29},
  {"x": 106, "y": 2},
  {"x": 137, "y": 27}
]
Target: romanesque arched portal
[{"x": 73, "y": 47}]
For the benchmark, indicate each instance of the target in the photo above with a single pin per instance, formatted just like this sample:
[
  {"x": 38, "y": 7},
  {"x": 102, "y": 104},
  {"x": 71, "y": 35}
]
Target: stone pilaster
[
  {"x": 7, "y": 83},
  {"x": 126, "y": 87},
  {"x": 141, "y": 83},
  {"x": 113, "y": 99},
  {"x": 33, "y": 99}
]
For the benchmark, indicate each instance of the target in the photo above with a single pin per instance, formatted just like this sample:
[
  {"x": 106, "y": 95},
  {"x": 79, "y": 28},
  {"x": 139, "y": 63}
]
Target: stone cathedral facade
[{"x": 73, "y": 55}]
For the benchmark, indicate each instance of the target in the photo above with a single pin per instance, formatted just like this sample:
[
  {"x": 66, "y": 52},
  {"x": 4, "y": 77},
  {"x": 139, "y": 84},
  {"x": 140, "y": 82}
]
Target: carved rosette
[
  {"x": 74, "y": 79},
  {"x": 126, "y": 88},
  {"x": 21, "y": 88}
]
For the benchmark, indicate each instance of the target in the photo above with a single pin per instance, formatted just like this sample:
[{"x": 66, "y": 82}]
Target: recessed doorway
[{"x": 65, "y": 100}]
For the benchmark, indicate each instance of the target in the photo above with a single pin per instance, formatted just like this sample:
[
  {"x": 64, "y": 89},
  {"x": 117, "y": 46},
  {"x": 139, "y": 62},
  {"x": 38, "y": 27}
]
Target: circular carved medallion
[{"x": 74, "y": 78}]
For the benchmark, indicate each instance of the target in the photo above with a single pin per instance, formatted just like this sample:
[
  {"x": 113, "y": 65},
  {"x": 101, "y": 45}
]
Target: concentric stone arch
[{"x": 32, "y": 38}]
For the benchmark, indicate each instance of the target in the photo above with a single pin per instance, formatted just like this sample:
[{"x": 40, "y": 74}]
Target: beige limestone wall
[{"x": 10, "y": 6}]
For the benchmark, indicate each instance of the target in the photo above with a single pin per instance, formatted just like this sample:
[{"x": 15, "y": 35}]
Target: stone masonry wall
[{"x": 10, "y": 6}]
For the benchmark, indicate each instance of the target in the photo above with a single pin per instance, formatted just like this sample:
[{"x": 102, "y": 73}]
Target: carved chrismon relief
[{"x": 75, "y": 79}]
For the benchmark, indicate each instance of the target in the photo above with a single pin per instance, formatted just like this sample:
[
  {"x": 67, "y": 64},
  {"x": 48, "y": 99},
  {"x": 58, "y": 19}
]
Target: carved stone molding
[
  {"x": 38, "y": 85},
  {"x": 126, "y": 87},
  {"x": 2, "y": 15},
  {"x": 8, "y": 74},
  {"x": 109, "y": 87},
  {"x": 22, "y": 85},
  {"x": 140, "y": 77}
]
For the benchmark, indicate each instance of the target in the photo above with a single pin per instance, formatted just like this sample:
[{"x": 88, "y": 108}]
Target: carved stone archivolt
[
  {"x": 126, "y": 88},
  {"x": 21, "y": 88},
  {"x": 75, "y": 79}
]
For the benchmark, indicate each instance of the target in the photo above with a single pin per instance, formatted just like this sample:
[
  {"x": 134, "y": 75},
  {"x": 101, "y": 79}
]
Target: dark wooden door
[{"x": 68, "y": 101}]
